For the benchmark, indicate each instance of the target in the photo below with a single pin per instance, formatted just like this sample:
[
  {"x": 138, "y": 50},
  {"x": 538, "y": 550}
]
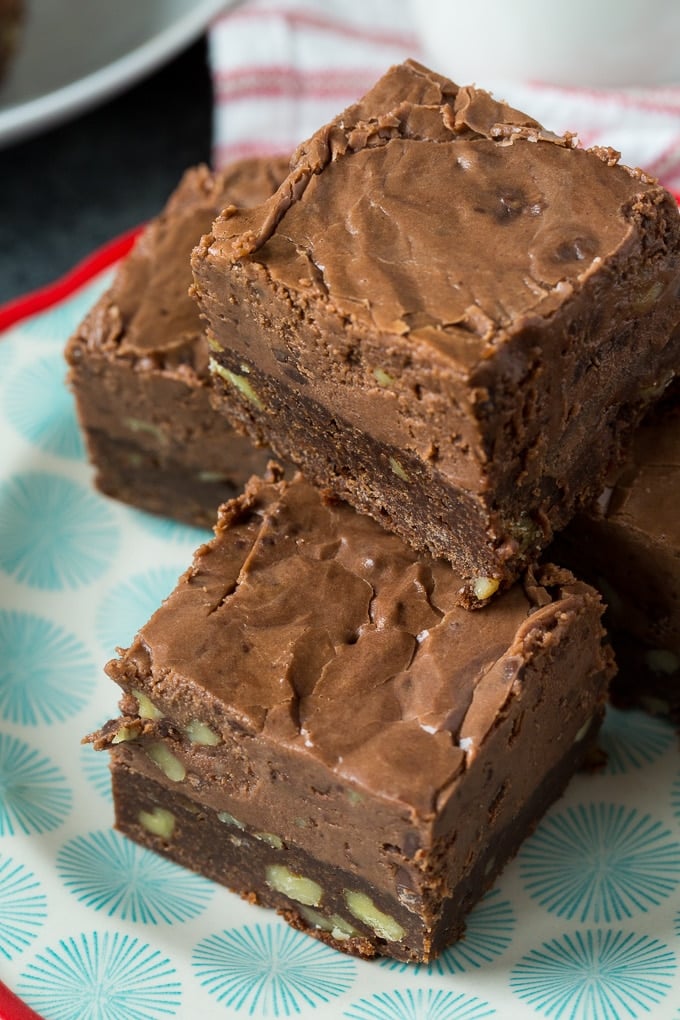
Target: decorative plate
[{"x": 583, "y": 925}]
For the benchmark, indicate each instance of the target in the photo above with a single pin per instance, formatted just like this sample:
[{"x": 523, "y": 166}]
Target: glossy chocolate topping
[
  {"x": 308, "y": 623},
  {"x": 372, "y": 236},
  {"x": 148, "y": 315}
]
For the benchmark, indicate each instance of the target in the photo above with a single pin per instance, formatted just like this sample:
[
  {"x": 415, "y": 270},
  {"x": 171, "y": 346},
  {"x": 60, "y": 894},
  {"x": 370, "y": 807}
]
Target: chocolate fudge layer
[
  {"x": 628, "y": 545},
  {"x": 447, "y": 315},
  {"x": 139, "y": 363},
  {"x": 313, "y": 720}
]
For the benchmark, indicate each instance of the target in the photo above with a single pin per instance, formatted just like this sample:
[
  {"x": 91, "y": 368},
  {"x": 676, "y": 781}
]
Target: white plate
[
  {"x": 583, "y": 925},
  {"x": 75, "y": 53}
]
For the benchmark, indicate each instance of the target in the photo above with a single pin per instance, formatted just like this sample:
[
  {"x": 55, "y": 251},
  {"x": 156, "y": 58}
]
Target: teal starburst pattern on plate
[
  {"x": 633, "y": 739},
  {"x": 488, "y": 933},
  {"x": 46, "y": 674},
  {"x": 419, "y": 1004},
  {"x": 127, "y": 606},
  {"x": 600, "y": 862},
  {"x": 270, "y": 970},
  {"x": 41, "y": 408},
  {"x": 109, "y": 873},
  {"x": 101, "y": 976},
  {"x": 595, "y": 975},
  {"x": 169, "y": 530},
  {"x": 23, "y": 907},
  {"x": 95, "y": 767},
  {"x": 34, "y": 795},
  {"x": 54, "y": 533}
]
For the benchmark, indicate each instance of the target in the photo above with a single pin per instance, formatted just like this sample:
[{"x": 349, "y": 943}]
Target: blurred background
[{"x": 73, "y": 187}]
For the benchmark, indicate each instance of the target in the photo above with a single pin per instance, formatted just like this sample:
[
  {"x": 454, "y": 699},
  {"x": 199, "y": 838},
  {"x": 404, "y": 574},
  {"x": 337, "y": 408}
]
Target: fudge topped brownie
[
  {"x": 139, "y": 363},
  {"x": 448, "y": 315},
  {"x": 313, "y": 690},
  {"x": 148, "y": 315}
]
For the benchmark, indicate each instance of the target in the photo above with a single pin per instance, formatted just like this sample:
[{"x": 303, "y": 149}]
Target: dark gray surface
[{"x": 70, "y": 189}]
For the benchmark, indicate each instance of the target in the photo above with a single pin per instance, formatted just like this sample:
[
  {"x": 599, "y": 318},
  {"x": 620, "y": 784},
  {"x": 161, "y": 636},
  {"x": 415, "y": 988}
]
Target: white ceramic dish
[{"x": 76, "y": 53}]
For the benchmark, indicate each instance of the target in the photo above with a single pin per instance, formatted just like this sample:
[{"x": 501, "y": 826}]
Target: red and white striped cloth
[{"x": 282, "y": 68}]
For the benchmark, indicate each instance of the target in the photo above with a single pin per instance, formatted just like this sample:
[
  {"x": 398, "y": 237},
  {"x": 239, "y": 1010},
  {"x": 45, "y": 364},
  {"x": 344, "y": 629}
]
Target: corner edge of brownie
[{"x": 412, "y": 375}]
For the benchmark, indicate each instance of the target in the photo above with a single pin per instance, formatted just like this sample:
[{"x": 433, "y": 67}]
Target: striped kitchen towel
[{"x": 282, "y": 68}]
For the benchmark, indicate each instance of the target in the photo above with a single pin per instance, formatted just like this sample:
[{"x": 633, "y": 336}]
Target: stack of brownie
[{"x": 363, "y": 693}]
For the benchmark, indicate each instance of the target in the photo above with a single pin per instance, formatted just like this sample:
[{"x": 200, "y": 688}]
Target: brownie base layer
[
  {"x": 161, "y": 484},
  {"x": 212, "y": 844},
  {"x": 382, "y": 481},
  {"x": 155, "y": 440}
]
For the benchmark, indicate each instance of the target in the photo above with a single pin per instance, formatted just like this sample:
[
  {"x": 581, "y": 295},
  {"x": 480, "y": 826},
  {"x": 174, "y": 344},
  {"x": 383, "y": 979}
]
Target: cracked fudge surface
[
  {"x": 447, "y": 315},
  {"x": 628, "y": 545},
  {"x": 311, "y": 719},
  {"x": 139, "y": 363}
]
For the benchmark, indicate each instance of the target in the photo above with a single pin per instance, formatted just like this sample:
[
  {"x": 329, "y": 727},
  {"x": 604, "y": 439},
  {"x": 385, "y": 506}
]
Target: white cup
[{"x": 589, "y": 43}]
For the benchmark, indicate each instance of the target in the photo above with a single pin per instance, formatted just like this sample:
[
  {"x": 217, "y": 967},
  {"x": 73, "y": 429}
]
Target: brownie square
[
  {"x": 138, "y": 363},
  {"x": 312, "y": 720},
  {"x": 628, "y": 545},
  {"x": 449, "y": 316}
]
